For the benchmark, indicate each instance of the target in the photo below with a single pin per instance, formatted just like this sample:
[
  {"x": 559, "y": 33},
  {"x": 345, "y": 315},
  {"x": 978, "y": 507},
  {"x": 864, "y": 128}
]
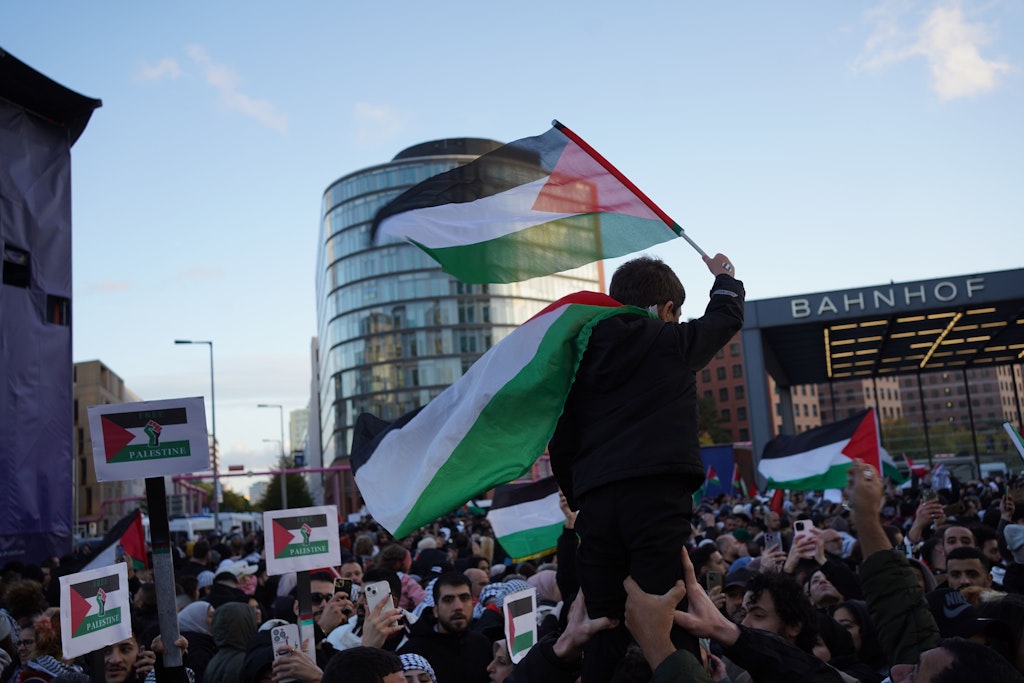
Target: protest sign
[
  {"x": 301, "y": 539},
  {"x": 520, "y": 622},
  {"x": 149, "y": 439},
  {"x": 99, "y": 607}
]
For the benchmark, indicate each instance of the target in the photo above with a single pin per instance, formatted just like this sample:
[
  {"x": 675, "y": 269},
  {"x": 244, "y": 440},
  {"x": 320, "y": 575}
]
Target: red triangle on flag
[
  {"x": 115, "y": 438},
  {"x": 79, "y": 608},
  {"x": 863, "y": 443},
  {"x": 134, "y": 542},
  {"x": 282, "y": 537},
  {"x": 580, "y": 184}
]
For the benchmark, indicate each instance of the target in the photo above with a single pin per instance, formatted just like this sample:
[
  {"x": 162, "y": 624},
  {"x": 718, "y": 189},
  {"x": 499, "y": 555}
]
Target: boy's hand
[{"x": 719, "y": 264}]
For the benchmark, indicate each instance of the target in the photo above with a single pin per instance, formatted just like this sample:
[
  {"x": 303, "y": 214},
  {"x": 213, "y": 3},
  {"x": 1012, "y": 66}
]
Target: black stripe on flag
[
  {"x": 290, "y": 523},
  {"x": 87, "y": 589},
  {"x": 135, "y": 419},
  {"x": 785, "y": 445},
  {"x": 510, "y": 495},
  {"x": 509, "y": 166},
  {"x": 518, "y": 608}
]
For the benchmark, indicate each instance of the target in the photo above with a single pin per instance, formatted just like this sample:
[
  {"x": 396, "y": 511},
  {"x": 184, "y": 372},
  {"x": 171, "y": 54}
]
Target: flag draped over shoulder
[
  {"x": 130, "y": 535},
  {"x": 533, "y": 207},
  {"x": 819, "y": 458},
  {"x": 526, "y": 518},
  {"x": 484, "y": 430}
]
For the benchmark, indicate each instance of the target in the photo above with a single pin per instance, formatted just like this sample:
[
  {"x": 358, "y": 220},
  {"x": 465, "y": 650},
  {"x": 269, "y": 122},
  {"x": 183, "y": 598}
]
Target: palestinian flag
[
  {"x": 917, "y": 470},
  {"x": 135, "y": 435},
  {"x": 128, "y": 537},
  {"x": 527, "y": 519},
  {"x": 818, "y": 458},
  {"x": 300, "y": 536},
  {"x": 484, "y": 430},
  {"x": 1015, "y": 438},
  {"x": 739, "y": 485},
  {"x": 520, "y": 610},
  {"x": 533, "y": 207}
]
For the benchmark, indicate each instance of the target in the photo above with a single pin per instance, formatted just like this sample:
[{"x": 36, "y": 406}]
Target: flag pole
[{"x": 678, "y": 229}]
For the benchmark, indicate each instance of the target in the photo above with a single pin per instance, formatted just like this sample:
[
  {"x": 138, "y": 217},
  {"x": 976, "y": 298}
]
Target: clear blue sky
[{"x": 819, "y": 145}]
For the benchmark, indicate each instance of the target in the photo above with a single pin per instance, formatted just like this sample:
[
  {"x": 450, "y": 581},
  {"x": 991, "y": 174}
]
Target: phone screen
[
  {"x": 714, "y": 579},
  {"x": 929, "y": 494}
]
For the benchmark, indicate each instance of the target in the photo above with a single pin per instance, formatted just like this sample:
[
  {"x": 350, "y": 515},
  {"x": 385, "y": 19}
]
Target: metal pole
[
  {"x": 970, "y": 419},
  {"x": 284, "y": 465},
  {"x": 215, "y": 505},
  {"x": 924, "y": 421}
]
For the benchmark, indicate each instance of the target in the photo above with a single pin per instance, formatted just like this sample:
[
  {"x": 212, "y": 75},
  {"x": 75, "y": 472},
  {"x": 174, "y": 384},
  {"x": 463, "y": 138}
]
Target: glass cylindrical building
[{"x": 393, "y": 329}]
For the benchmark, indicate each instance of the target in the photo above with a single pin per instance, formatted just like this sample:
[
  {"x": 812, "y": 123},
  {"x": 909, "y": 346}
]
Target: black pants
[{"x": 636, "y": 527}]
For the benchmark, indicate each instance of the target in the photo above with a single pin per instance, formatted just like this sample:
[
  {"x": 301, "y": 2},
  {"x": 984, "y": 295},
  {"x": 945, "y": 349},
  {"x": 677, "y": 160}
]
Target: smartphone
[
  {"x": 282, "y": 638},
  {"x": 802, "y": 527},
  {"x": 929, "y": 494},
  {"x": 376, "y": 593},
  {"x": 343, "y": 586},
  {"x": 956, "y": 508},
  {"x": 715, "y": 579},
  {"x": 772, "y": 538}
]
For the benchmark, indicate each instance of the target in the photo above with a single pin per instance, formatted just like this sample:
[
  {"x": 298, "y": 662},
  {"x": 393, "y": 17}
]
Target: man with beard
[{"x": 457, "y": 654}]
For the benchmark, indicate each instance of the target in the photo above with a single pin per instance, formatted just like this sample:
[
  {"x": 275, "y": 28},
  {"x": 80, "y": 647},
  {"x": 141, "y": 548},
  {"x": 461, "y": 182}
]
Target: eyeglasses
[{"x": 319, "y": 597}]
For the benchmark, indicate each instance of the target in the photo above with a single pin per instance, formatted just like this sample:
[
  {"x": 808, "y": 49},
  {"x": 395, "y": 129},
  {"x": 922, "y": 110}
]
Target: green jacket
[{"x": 897, "y": 607}]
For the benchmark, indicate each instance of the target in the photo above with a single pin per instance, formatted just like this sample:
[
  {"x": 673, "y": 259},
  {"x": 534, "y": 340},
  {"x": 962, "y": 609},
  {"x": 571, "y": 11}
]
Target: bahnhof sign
[{"x": 953, "y": 323}]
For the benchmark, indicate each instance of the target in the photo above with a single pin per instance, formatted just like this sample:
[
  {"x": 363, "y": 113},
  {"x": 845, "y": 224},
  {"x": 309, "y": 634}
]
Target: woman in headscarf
[
  {"x": 234, "y": 623},
  {"x": 194, "y": 623}
]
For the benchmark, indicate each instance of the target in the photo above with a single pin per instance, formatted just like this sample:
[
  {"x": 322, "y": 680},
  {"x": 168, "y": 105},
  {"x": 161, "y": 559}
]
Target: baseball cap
[
  {"x": 738, "y": 577},
  {"x": 956, "y": 617}
]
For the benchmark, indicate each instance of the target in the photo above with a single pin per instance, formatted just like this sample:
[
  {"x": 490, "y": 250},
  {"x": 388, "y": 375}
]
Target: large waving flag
[
  {"x": 526, "y": 518},
  {"x": 485, "y": 429},
  {"x": 533, "y": 207},
  {"x": 819, "y": 458}
]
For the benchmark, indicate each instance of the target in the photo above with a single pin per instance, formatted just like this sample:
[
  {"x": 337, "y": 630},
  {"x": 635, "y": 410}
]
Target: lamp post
[
  {"x": 213, "y": 419},
  {"x": 284, "y": 481}
]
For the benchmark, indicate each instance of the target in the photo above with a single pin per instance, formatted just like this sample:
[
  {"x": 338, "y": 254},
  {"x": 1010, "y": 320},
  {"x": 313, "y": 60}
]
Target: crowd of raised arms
[{"x": 888, "y": 582}]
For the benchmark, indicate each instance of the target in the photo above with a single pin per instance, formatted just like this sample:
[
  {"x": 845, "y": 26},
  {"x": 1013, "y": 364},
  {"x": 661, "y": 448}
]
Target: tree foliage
[{"x": 298, "y": 491}]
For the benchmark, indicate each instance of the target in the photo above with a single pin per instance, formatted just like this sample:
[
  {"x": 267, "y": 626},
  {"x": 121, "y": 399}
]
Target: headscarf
[
  {"x": 494, "y": 594},
  {"x": 412, "y": 661},
  {"x": 193, "y": 618},
  {"x": 547, "y": 586}
]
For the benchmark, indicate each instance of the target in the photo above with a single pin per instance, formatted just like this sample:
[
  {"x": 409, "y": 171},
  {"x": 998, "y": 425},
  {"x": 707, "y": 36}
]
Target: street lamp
[
  {"x": 284, "y": 482},
  {"x": 213, "y": 419}
]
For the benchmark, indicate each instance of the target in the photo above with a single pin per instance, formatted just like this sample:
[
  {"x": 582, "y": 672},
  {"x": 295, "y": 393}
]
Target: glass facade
[{"x": 394, "y": 330}]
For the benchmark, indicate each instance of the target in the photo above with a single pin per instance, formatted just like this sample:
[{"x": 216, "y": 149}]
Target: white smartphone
[
  {"x": 772, "y": 538},
  {"x": 281, "y": 639},
  {"x": 376, "y": 593}
]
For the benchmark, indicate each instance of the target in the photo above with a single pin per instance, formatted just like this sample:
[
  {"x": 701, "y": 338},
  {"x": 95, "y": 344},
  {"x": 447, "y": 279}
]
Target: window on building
[
  {"x": 708, "y": 395},
  {"x": 739, "y": 391},
  {"x": 705, "y": 375},
  {"x": 737, "y": 370},
  {"x": 720, "y": 373},
  {"x": 741, "y": 413},
  {"x": 726, "y": 415},
  {"x": 720, "y": 354},
  {"x": 734, "y": 349},
  {"x": 723, "y": 394},
  {"x": 744, "y": 434}
]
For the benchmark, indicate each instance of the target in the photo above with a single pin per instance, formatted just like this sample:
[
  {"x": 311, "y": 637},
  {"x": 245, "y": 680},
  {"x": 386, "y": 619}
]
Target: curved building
[{"x": 393, "y": 329}]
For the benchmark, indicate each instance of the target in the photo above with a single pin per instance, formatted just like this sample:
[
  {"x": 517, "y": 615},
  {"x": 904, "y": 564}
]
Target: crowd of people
[{"x": 911, "y": 583}]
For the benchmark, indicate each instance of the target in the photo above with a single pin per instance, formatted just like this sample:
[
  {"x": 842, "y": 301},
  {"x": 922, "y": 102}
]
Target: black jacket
[
  {"x": 632, "y": 410},
  {"x": 455, "y": 658}
]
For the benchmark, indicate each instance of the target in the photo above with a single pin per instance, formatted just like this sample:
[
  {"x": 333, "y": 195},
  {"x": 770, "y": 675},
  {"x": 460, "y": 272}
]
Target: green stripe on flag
[
  {"x": 521, "y": 642},
  {"x": 833, "y": 478},
  {"x": 489, "y": 454},
  {"x": 532, "y": 543},
  {"x": 551, "y": 247}
]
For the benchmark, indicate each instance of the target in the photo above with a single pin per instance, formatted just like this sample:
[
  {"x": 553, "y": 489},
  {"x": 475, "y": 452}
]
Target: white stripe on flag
[
  {"x": 528, "y": 515},
  {"x": 419, "y": 449},
  {"x": 807, "y": 464},
  {"x": 453, "y": 225}
]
